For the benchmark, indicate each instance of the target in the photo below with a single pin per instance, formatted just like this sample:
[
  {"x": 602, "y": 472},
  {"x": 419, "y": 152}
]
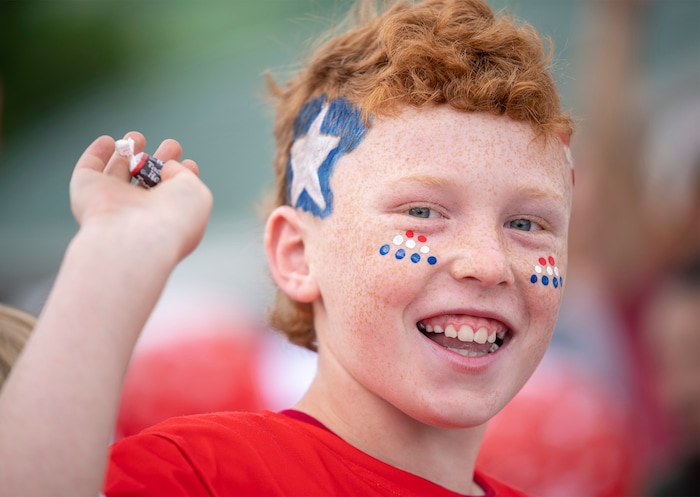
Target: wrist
[{"x": 128, "y": 247}]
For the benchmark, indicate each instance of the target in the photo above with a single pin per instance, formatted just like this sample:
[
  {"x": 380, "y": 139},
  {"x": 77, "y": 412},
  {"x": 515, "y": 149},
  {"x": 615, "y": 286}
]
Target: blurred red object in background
[
  {"x": 191, "y": 368},
  {"x": 564, "y": 434}
]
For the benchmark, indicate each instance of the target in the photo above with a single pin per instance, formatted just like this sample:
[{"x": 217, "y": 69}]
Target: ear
[{"x": 284, "y": 246}]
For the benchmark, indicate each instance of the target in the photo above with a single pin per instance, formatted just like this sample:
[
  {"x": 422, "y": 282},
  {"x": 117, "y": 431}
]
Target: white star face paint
[
  {"x": 323, "y": 132},
  {"x": 409, "y": 245},
  {"x": 144, "y": 168}
]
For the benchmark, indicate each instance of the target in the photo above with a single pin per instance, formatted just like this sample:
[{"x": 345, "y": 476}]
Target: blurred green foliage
[{"x": 50, "y": 50}]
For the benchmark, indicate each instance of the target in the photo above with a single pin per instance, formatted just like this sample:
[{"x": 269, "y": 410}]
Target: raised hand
[{"x": 173, "y": 215}]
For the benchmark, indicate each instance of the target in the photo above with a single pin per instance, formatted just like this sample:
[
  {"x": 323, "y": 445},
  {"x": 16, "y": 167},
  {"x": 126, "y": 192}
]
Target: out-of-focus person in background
[
  {"x": 639, "y": 200},
  {"x": 16, "y": 326},
  {"x": 669, "y": 319}
]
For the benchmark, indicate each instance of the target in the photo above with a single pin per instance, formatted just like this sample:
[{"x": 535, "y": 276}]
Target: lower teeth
[{"x": 472, "y": 353}]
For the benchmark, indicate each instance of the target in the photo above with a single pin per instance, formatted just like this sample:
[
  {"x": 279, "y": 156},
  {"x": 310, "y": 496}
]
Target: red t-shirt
[{"x": 259, "y": 454}]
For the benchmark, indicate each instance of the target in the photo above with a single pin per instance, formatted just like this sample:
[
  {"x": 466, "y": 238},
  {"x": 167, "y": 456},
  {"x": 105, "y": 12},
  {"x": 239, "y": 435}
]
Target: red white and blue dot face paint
[
  {"x": 546, "y": 273},
  {"x": 409, "y": 246},
  {"x": 323, "y": 132}
]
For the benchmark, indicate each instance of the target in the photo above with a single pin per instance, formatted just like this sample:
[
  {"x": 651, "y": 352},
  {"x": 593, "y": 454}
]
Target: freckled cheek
[
  {"x": 546, "y": 305},
  {"x": 404, "y": 260}
]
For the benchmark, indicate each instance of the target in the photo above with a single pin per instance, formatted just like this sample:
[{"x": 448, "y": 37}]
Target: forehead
[{"x": 443, "y": 144}]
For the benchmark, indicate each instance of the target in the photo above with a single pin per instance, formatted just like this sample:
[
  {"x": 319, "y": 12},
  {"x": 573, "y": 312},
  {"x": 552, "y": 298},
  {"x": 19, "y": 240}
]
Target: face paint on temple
[
  {"x": 323, "y": 132},
  {"x": 570, "y": 162},
  {"x": 409, "y": 245},
  {"x": 546, "y": 273}
]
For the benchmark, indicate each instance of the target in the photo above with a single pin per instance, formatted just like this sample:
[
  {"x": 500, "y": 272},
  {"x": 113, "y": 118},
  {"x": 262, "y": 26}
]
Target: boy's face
[{"x": 443, "y": 223}]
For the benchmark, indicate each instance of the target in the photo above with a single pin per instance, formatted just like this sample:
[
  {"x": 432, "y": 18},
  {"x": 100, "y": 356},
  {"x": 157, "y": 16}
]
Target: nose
[{"x": 480, "y": 255}]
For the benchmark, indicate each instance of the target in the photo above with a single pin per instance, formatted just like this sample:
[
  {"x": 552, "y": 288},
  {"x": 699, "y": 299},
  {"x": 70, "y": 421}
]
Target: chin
[{"x": 460, "y": 412}]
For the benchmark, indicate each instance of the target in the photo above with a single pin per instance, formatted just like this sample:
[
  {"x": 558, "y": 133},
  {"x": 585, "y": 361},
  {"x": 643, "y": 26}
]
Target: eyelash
[
  {"x": 432, "y": 213},
  {"x": 539, "y": 225}
]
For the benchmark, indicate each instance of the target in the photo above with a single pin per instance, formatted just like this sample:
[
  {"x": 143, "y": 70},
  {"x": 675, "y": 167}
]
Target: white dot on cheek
[
  {"x": 410, "y": 243},
  {"x": 424, "y": 249},
  {"x": 538, "y": 269},
  {"x": 549, "y": 271},
  {"x": 398, "y": 240},
  {"x": 556, "y": 271}
]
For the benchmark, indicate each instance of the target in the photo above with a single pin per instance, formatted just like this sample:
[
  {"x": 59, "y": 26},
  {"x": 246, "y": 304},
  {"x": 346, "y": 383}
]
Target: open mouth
[{"x": 474, "y": 339}]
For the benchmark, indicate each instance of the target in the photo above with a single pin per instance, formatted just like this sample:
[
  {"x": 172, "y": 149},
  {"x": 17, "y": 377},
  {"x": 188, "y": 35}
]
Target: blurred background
[{"x": 614, "y": 410}]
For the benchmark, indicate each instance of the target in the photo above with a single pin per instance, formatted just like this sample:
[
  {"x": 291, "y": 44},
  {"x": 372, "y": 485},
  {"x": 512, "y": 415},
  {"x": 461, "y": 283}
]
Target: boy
[{"x": 419, "y": 244}]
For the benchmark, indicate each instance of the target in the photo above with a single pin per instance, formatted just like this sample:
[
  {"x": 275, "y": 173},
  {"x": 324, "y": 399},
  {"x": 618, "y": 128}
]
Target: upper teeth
[{"x": 466, "y": 333}]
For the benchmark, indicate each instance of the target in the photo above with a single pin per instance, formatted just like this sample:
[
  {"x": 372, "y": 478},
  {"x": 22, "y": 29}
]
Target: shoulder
[
  {"x": 207, "y": 452},
  {"x": 224, "y": 432},
  {"x": 219, "y": 423},
  {"x": 222, "y": 435}
]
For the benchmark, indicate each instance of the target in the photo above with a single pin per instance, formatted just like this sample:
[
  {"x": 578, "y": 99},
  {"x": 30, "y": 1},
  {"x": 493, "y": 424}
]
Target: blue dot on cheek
[
  {"x": 415, "y": 258},
  {"x": 384, "y": 249},
  {"x": 533, "y": 278},
  {"x": 545, "y": 280},
  {"x": 432, "y": 260},
  {"x": 400, "y": 254},
  {"x": 555, "y": 282}
]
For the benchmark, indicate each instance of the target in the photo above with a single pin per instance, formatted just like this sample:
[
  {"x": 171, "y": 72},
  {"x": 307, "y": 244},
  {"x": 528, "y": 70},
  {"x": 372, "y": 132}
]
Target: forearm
[{"x": 57, "y": 409}]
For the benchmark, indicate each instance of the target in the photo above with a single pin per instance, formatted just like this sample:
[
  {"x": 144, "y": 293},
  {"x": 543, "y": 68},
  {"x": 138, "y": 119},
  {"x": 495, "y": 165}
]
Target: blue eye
[
  {"x": 523, "y": 225},
  {"x": 423, "y": 212}
]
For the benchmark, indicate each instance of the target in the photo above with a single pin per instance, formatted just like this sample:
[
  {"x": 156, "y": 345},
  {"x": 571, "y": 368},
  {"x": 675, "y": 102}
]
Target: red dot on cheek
[
  {"x": 409, "y": 234},
  {"x": 551, "y": 260},
  {"x": 422, "y": 239},
  {"x": 542, "y": 261}
]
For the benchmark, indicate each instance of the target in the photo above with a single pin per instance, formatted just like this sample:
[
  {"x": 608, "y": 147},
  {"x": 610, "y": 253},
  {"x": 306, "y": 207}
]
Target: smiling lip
[{"x": 470, "y": 334}]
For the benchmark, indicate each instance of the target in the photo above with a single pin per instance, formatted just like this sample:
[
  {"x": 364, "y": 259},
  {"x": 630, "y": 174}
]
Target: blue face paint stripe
[{"x": 342, "y": 121}]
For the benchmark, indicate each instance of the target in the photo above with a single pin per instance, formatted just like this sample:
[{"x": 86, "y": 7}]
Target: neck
[{"x": 445, "y": 456}]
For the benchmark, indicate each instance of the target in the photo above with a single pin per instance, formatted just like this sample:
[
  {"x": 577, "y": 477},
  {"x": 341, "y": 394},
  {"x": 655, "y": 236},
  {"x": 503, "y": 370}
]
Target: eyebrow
[
  {"x": 541, "y": 193},
  {"x": 529, "y": 192},
  {"x": 424, "y": 180}
]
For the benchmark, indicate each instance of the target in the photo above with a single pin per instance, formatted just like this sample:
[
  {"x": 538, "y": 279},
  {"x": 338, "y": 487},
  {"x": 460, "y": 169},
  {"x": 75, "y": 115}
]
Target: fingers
[
  {"x": 169, "y": 150},
  {"x": 191, "y": 165},
  {"x": 118, "y": 165},
  {"x": 102, "y": 157},
  {"x": 190, "y": 200},
  {"x": 96, "y": 154}
]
